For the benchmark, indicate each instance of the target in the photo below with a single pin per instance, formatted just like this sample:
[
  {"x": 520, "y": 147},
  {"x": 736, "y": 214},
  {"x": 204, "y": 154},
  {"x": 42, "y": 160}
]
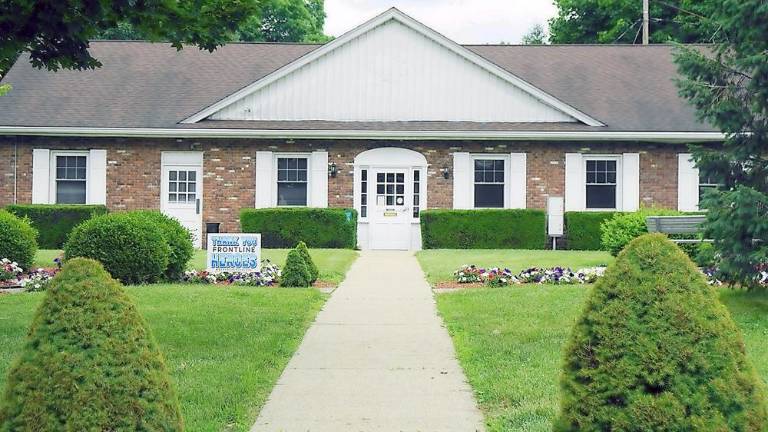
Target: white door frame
[
  {"x": 392, "y": 159},
  {"x": 189, "y": 214}
]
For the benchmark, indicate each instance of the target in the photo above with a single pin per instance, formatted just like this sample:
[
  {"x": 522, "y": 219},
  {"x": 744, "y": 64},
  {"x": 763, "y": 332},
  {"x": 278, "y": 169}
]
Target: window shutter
[
  {"x": 630, "y": 182},
  {"x": 574, "y": 182},
  {"x": 264, "y": 179},
  {"x": 41, "y": 176},
  {"x": 462, "y": 181},
  {"x": 687, "y": 183},
  {"x": 318, "y": 179},
  {"x": 517, "y": 180},
  {"x": 97, "y": 177}
]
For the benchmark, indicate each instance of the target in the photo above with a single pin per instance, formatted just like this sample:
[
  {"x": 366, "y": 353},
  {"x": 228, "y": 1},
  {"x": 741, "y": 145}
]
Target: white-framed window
[
  {"x": 706, "y": 183},
  {"x": 490, "y": 182},
  {"x": 602, "y": 182},
  {"x": 69, "y": 177},
  {"x": 292, "y": 179}
]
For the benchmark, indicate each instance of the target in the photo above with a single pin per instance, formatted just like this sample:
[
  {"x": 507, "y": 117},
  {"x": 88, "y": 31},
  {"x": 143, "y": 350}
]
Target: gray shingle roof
[{"x": 151, "y": 85}]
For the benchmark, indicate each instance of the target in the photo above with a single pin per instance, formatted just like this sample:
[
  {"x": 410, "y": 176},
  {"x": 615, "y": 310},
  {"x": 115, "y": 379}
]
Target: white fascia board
[
  {"x": 406, "y": 20},
  {"x": 670, "y": 137}
]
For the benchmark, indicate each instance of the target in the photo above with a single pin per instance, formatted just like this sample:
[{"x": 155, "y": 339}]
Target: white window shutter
[
  {"x": 630, "y": 182},
  {"x": 575, "y": 188},
  {"x": 264, "y": 179},
  {"x": 318, "y": 180},
  {"x": 97, "y": 177},
  {"x": 687, "y": 183},
  {"x": 462, "y": 181},
  {"x": 517, "y": 180},
  {"x": 41, "y": 176}
]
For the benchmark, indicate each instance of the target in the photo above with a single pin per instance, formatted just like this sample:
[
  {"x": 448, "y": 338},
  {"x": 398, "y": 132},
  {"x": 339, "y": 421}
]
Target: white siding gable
[{"x": 392, "y": 72}]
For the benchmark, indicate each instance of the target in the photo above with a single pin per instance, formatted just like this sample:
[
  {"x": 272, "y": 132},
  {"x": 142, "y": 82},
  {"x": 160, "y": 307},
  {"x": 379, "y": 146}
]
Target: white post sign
[{"x": 234, "y": 252}]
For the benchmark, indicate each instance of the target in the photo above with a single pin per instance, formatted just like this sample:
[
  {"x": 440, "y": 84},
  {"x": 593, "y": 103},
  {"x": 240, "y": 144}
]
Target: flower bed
[
  {"x": 498, "y": 277},
  {"x": 13, "y": 276},
  {"x": 269, "y": 275}
]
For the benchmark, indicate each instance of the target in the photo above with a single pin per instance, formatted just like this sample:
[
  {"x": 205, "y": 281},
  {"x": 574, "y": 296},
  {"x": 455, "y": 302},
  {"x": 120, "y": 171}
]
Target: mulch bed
[{"x": 452, "y": 285}]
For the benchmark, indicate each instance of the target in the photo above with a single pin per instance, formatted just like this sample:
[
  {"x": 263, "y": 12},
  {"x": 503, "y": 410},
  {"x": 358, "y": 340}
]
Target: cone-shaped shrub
[
  {"x": 304, "y": 251},
  {"x": 295, "y": 273},
  {"x": 89, "y": 363},
  {"x": 654, "y": 350},
  {"x": 178, "y": 238}
]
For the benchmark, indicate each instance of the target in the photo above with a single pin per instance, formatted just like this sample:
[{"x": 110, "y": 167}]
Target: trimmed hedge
[
  {"x": 311, "y": 266},
  {"x": 582, "y": 229},
  {"x": 483, "y": 229},
  {"x": 54, "y": 222},
  {"x": 131, "y": 249},
  {"x": 334, "y": 228},
  {"x": 18, "y": 240},
  {"x": 655, "y": 350},
  {"x": 90, "y": 362}
]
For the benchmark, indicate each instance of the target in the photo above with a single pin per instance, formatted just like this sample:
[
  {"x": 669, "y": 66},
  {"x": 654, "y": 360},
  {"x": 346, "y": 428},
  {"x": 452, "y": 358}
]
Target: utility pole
[{"x": 646, "y": 22}]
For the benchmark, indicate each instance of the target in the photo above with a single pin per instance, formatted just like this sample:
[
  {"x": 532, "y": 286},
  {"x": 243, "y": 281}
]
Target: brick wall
[{"x": 133, "y": 170}]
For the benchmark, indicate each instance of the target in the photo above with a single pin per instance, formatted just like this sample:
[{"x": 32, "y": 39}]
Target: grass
[
  {"x": 510, "y": 343},
  {"x": 225, "y": 347},
  {"x": 333, "y": 263},
  {"x": 439, "y": 264}
]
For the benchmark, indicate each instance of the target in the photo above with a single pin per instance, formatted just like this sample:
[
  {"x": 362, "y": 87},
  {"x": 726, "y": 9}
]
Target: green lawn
[
  {"x": 333, "y": 263},
  {"x": 510, "y": 341},
  {"x": 439, "y": 264},
  {"x": 225, "y": 347}
]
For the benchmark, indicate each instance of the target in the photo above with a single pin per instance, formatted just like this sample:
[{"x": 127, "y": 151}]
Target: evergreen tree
[
  {"x": 728, "y": 86},
  {"x": 655, "y": 350}
]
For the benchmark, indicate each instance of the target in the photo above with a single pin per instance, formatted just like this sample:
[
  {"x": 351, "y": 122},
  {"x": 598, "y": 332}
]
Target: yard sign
[{"x": 234, "y": 252}]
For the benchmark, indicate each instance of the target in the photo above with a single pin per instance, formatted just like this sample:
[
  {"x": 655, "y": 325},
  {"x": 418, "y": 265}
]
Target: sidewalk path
[{"x": 376, "y": 359}]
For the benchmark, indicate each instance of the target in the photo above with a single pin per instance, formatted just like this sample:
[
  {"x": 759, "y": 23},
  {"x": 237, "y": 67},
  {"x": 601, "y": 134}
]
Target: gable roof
[
  {"x": 395, "y": 15},
  {"x": 153, "y": 87}
]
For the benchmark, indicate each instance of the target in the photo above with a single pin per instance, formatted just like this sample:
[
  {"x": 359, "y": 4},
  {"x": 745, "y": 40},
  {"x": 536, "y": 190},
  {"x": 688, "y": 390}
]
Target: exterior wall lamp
[
  {"x": 446, "y": 172},
  {"x": 332, "y": 169}
]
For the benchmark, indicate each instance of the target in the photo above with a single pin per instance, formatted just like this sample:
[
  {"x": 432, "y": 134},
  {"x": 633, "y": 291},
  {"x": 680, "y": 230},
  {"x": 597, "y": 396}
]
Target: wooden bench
[{"x": 677, "y": 225}]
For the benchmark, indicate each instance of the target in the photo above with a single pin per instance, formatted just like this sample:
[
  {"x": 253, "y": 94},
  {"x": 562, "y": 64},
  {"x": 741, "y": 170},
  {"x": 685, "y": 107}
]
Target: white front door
[
  {"x": 182, "y": 192},
  {"x": 391, "y": 216}
]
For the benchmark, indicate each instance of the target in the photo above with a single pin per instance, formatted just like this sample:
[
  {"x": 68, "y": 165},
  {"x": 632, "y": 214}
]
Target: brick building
[{"x": 390, "y": 119}]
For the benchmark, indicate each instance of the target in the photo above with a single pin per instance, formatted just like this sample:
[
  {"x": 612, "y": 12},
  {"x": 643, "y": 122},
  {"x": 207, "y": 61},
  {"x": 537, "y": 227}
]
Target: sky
[{"x": 464, "y": 21}]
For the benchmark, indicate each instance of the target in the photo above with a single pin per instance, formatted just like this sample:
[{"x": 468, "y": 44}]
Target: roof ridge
[{"x": 661, "y": 45}]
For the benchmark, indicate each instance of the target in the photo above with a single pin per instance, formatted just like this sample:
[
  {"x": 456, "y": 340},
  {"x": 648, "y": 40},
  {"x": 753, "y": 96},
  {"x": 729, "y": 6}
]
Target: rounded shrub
[
  {"x": 313, "y": 270},
  {"x": 295, "y": 273},
  {"x": 18, "y": 240},
  {"x": 131, "y": 250},
  {"x": 654, "y": 350},
  {"x": 178, "y": 239},
  {"x": 618, "y": 231},
  {"x": 89, "y": 363}
]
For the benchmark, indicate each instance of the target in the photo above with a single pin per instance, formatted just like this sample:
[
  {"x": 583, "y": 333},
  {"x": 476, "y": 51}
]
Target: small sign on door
[{"x": 234, "y": 252}]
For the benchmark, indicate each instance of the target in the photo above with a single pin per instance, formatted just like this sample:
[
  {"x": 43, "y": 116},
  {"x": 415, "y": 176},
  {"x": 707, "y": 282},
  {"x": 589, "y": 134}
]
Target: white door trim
[{"x": 189, "y": 160}]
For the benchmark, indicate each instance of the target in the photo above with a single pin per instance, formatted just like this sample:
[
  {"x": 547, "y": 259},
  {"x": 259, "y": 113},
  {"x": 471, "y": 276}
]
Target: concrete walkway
[{"x": 376, "y": 359}]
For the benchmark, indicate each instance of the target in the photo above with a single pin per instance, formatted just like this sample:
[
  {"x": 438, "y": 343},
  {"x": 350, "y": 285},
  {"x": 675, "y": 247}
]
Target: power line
[{"x": 627, "y": 30}]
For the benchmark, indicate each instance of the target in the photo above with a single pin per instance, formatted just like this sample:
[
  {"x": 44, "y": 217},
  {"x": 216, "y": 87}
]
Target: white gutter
[{"x": 364, "y": 134}]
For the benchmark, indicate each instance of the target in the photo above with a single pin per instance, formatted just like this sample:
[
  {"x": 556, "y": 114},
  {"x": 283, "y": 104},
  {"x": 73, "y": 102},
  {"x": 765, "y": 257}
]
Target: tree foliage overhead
[
  {"x": 271, "y": 21},
  {"x": 654, "y": 350},
  {"x": 728, "y": 86},
  {"x": 56, "y": 32},
  {"x": 536, "y": 35},
  {"x": 620, "y": 21}
]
